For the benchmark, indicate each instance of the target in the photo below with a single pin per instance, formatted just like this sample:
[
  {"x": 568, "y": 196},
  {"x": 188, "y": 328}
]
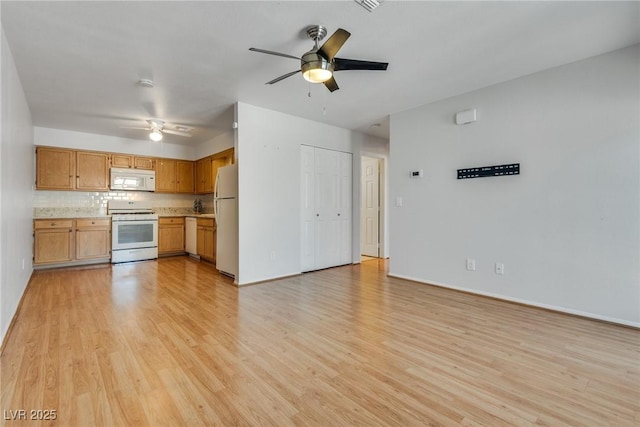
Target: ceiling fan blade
[
  {"x": 176, "y": 132},
  {"x": 270, "y": 52},
  {"x": 134, "y": 127},
  {"x": 331, "y": 84},
  {"x": 277, "y": 79},
  {"x": 342, "y": 64},
  {"x": 334, "y": 43}
]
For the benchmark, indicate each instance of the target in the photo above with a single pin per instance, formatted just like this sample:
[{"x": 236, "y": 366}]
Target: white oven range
[{"x": 134, "y": 231}]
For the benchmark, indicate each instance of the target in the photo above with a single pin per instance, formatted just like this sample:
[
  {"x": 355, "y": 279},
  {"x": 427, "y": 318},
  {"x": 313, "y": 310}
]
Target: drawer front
[
  {"x": 41, "y": 224},
  {"x": 205, "y": 222},
  {"x": 92, "y": 223},
  {"x": 172, "y": 220}
]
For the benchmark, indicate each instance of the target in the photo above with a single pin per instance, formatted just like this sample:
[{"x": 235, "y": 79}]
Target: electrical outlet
[
  {"x": 471, "y": 264},
  {"x": 499, "y": 268}
]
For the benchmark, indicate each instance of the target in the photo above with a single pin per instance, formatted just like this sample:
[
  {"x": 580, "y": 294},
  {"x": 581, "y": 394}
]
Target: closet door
[
  {"x": 326, "y": 208},
  {"x": 308, "y": 208}
]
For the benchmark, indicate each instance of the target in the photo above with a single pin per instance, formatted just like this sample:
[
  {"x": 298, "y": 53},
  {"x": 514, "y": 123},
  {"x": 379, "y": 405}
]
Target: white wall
[
  {"x": 216, "y": 145},
  {"x": 16, "y": 177},
  {"x": 111, "y": 144},
  {"x": 567, "y": 228},
  {"x": 268, "y": 150}
]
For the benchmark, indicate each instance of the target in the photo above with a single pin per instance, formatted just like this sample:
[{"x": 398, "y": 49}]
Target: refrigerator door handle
[{"x": 216, "y": 185}]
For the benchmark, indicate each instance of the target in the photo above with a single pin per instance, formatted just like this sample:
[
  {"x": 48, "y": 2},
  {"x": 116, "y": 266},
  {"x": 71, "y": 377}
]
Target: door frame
[{"x": 383, "y": 225}]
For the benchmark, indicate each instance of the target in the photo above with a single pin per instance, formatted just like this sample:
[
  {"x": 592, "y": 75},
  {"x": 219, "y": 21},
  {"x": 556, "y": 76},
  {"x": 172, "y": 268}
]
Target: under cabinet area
[
  {"x": 171, "y": 235},
  {"x": 61, "y": 242}
]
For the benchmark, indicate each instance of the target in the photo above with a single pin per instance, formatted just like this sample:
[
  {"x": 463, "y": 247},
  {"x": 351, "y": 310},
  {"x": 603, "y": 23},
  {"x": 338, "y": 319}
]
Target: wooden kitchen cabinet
[
  {"x": 206, "y": 239},
  {"x": 53, "y": 241},
  {"x": 55, "y": 168},
  {"x": 121, "y": 160},
  {"x": 93, "y": 239},
  {"x": 147, "y": 163},
  {"x": 185, "y": 174},
  {"x": 129, "y": 161},
  {"x": 92, "y": 171},
  {"x": 207, "y": 169},
  {"x": 62, "y": 169},
  {"x": 170, "y": 235},
  {"x": 165, "y": 176},
  {"x": 174, "y": 176},
  {"x": 204, "y": 180}
]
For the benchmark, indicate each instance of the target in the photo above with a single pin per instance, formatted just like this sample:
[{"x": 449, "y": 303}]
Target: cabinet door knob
[
  {"x": 53, "y": 224},
  {"x": 93, "y": 222}
]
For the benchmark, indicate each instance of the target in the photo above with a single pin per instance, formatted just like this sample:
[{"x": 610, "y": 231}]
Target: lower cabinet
[
  {"x": 170, "y": 235},
  {"x": 53, "y": 241},
  {"x": 71, "y": 241},
  {"x": 93, "y": 238},
  {"x": 206, "y": 239}
]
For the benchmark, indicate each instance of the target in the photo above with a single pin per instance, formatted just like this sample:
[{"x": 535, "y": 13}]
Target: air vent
[{"x": 368, "y": 4}]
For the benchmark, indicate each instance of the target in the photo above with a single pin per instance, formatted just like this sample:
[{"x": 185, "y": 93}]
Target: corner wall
[
  {"x": 16, "y": 178},
  {"x": 268, "y": 152},
  {"x": 567, "y": 228}
]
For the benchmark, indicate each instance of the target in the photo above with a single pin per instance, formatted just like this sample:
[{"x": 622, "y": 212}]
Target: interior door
[
  {"x": 327, "y": 199},
  {"x": 326, "y": 208},
  {"x": 370, "y": 207}
]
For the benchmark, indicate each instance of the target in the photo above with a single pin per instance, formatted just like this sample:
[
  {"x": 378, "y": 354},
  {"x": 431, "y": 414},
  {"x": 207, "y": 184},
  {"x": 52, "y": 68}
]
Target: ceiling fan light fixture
[
  {"x": 155, "y": 135},
  {"x": 315, "y": 68}
]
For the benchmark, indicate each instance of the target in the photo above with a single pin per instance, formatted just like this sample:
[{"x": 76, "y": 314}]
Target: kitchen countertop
[
  {"x": 193, "y": 215},
  {"x": 71, "y": 213}
]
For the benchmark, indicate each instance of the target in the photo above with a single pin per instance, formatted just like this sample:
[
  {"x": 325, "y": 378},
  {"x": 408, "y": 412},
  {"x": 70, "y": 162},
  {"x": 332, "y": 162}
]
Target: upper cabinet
[
  {"x": 165, "y": 175},
  {"x": 143, "y": 163},
  {"x": 174, "y": 176},
  {"x": 63, "y": 169},
  {"x": 134, "y": 162},
  {"x": 55, "y": 169},
  {"x": 185, "y": 176},
  {"x": 207, "y": 169},
  {"x": 204, "y": 179},
  {"x": 92, "y": 171},
  {"x": 67, "y": 169}
]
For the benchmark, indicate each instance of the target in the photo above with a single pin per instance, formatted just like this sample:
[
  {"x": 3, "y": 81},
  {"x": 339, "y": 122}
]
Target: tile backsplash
[{"x": 80, "y": 203}]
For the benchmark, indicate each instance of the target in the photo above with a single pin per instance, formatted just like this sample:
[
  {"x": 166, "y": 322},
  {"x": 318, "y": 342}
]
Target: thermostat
[{"x": 417, "y": 174}]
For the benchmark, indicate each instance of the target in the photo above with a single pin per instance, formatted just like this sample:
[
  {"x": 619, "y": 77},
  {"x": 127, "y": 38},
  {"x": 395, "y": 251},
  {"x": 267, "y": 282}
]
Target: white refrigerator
[{"x": 225, "y": 205}]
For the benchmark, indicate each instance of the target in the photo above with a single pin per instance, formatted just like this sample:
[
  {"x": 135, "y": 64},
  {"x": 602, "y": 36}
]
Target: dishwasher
[{"x": 191, "y": 236}]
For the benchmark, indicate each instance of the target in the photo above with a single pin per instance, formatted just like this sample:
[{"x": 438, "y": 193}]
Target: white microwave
[{"x": 133, "y": 179}]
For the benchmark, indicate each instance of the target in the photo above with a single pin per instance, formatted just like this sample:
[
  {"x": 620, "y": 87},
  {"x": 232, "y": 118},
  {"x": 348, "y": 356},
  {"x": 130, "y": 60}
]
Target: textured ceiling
[{"x": 79, "y": 61}]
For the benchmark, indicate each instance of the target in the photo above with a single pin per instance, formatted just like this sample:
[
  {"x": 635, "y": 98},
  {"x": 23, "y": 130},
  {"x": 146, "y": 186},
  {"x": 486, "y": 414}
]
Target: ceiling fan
[
  {"x": 319, "y": 64},
  {"x": 157, "y": 128}
]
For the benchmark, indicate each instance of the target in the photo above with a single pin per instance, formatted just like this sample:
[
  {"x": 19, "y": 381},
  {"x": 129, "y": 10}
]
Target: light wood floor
[{"x": 174, "y": 343}]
